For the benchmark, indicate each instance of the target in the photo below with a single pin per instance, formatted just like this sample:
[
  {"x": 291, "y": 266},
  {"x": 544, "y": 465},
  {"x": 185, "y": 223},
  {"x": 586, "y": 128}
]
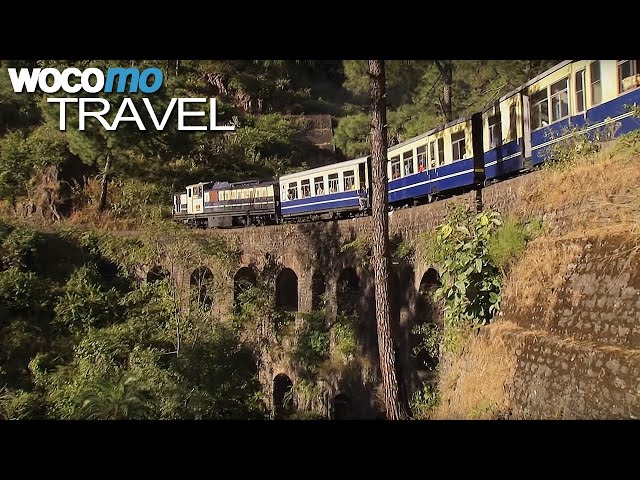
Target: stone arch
[
  {"x": 283, "y": 401},
  {"x": 348, "y": 292},
  {"x": 200, "y": 286},
  {"x": 430, "y": 281},
  {"x": 426, "y": 313},
  {"x": 157, "y": 273},
  {"x": 318, "y": 289},
  {"x": 287, "y": 290},
  {"x": 341, "y": 407},
  {"x": 244, "y": 279}
]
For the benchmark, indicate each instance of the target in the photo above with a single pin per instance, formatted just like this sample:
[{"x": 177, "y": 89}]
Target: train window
[
  {"x": 432, "y": 153},
  {"x": 197, "y": 192},
  {"x": 422, "y": 158},
  {"x": 349, "y": 180},
  {"x": 458, "y": 146},
  {"x": 495, "y": 130},
  {"x": 580, "y": 91},
  {"x": 305, "y": 186},
  {"x": 333, "y": 183},
  {"x": 628, "y": 77},
  {"x": 440, "y": 151},
  {"x": 407, "y": 161},
  {"x": 319, "y": 185},
  {"x": 596, "y": 85},
  {"x": 292, "y": 192},
  {"x": 539, "y": 109},
  {"x": 513, "y": 122},
  {"x": 395, "y": 168},
  {"x": 560, "y": 100},
  {"x": 189, "y": 192}
]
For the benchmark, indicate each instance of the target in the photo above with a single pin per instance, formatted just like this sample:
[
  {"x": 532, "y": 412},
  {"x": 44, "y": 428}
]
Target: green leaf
[{"x": 478, "y": 265}]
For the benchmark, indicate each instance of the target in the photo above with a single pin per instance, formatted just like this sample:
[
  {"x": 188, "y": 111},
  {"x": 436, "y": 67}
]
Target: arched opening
[
  {"x": 287, "y": 291},
  {"x": 283, "y": 401},
  {"x": 201, "y": 286},
  {"x": 348, "y": 292},
  {"x": 318, "y": 288},
  {"x": 426, "y": 315},
  {"x": 430, "y": 281},
  {"x": 341, "y": 407},
  {"x": 243, "y": 280},
  {"x": 157, "y": 273}
]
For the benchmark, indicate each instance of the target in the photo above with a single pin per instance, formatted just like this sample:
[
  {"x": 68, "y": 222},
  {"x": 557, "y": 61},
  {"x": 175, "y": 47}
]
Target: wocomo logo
[{"x": 119, "y": 80}]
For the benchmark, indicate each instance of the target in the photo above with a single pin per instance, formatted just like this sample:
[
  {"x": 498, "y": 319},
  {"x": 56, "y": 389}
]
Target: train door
[
  {"x": 362, "y": 175},
  {"x": 195, "y": 199},
  {"x": 436, "y": 161},
  {"x": 190, "y": 200},
  {"x": 526, "y": 127}
]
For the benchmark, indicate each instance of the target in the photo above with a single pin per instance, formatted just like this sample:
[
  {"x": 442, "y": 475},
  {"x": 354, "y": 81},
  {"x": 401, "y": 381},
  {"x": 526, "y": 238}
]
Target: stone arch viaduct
[{"x": 313, "y": 267}]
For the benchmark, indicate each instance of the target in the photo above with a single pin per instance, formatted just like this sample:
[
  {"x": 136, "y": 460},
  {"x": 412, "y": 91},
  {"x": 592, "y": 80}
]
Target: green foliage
[
  {"x": 19, "y": 405},
  {"x": 430, "y": 336},
  {"x": 86, "y": 303},
  {"x": 471, "y": 283},
  {"x": 85, "y": 344},
  {"x": 22, "y": 156},
  {"x": 22, "y": 292},
  {"x": 424, "y": 401},
  {"x": 563, "y": 154},
  {"x": 360, "y": 246},
  {"x": 508, "y": 242},
  {"x": 351, "y": 135},
  {"x": 312, "y": 347},
  {"x": 629, "y": 143},
  {"x": 309, "y": 396},
  {"x": 345, "y": 336},
  {"x": 19, "y": 247},
  {"x": 137, "y": 199},
  {"x": 403, "y": 252}
]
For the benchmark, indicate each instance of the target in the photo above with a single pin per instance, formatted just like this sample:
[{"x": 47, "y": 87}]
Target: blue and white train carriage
[
  {"x": 329, "y": 191},
  {"x": 445, "y": 159},
  {"x": 593, "y": 95}
]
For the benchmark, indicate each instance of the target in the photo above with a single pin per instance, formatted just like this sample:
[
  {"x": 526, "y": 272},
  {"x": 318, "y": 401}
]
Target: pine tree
[{"x": 380, "y": 240}]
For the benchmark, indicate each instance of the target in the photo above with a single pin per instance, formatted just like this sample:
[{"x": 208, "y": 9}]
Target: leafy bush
[
  {"x": 345, "y": 335},
  {"x": 508, "y": 242},
  {"x": 312, "y": 346},
  {"x": 424, "y": 401},
  {"x": 86, "y": 303},
  {"x": 18, "y": 247},
  {"x": 470, "y": 282},
  {"x": 430, "y": 336},
  {"x": 20, "y": 405},
  {"x": 22, "y": 292}
]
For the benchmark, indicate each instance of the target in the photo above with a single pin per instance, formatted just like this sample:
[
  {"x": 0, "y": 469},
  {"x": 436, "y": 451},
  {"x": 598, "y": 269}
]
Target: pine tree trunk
[
  {"x": 446, "y": 70},
  {"x": 380, "y": 240},
  {"x": 105, "y": 183}
]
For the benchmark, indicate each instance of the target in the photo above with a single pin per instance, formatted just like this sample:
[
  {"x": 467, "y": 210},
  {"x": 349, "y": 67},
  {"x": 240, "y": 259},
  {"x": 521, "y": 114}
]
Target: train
[{"x": 508, "y": 137}]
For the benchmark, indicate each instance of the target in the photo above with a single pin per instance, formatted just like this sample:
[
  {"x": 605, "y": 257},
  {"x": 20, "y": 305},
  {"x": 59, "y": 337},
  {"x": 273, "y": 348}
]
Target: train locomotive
[{"x": 508, "y": 137}]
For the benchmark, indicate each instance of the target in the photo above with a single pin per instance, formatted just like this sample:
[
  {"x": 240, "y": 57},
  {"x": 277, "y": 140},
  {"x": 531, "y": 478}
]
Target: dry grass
[
  {"x": 605, "y": 186},
  {"x": 538, "y": 276},
  {"x": 476, "y": 384}
]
